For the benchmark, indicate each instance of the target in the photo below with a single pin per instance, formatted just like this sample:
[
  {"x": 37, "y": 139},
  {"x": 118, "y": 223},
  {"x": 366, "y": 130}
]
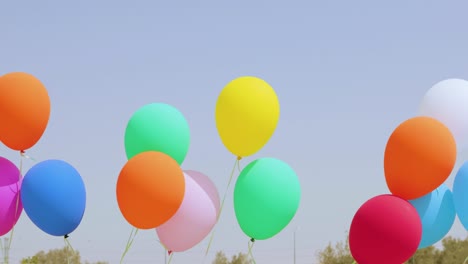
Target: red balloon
[{"x": 386, "y": 230}]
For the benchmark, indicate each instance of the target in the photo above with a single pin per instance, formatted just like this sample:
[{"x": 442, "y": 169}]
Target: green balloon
[
  {"x": 158, "y": 127},
  {"x": 266, "y": 197}
]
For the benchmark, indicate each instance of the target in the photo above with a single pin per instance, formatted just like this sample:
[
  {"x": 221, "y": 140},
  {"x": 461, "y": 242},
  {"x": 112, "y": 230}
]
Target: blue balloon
[
  {"x": 460, "y": 194},
  {"x": 54, "y": 197},
  {"x": 437, "y": 213}
]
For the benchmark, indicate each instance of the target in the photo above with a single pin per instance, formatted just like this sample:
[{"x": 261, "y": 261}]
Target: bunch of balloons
[
  {"x": 267, "y": 192},
  {"x": 153, "y": 192},
  {"x": 447, "y": 101},
  {"x": 419, "y": 157},
  {"x": 52, "y": 192}
]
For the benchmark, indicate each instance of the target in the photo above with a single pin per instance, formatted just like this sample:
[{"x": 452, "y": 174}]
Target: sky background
[{"x": 346, "y": 74}]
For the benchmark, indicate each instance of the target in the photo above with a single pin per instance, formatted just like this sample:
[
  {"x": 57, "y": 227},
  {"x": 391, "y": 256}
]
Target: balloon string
[
  {"x": 23, "y": 154},
  {"x": 165, "y": 250},
  {"x": 3, "y": 252},
  {"x": 70, "y": 250},
  {"x": 170, "y": 258},
  {"x": 236, "y": 164},
  {"x": 129, "y": 243},
  {"x": 7, "y": 247},
  {"x": 162, "y": 245},
  {"x": 251, "y": 244}
]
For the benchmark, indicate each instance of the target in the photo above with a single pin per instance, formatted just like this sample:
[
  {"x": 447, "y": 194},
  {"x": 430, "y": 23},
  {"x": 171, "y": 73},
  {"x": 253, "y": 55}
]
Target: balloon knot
[
  {"x": 22, "y": 152},
  {"x": 239, "y": 157},
  {"x": 169, "y": 252},
  {"x": 65, "y": 236},
  {"x": 252, "y": 240}
]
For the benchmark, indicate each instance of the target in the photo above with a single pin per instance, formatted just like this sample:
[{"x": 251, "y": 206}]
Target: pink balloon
[
  {"x": 386, "y": 229},
  {"x": 193, "y": 221},
  {"x": 207, "y": 185},
  {"x": 10, "y": 202}
]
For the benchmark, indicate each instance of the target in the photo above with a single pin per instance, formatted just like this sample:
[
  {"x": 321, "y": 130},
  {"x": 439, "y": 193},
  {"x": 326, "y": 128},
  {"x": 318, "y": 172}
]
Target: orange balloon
[
  {"x": 24, "y": 110},
  {"x": 150, "y": 189},
  {"x": 419, "y": 156}
]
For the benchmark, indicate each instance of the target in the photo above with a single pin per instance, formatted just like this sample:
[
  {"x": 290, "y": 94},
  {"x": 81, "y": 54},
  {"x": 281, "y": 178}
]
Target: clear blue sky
[{"x": 346, "y": 73}]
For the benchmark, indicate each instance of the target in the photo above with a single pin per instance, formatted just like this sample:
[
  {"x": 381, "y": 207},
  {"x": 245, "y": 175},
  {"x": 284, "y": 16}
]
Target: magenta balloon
[
  {"x": 193, "y": 221},
  {"x": 386, "y": 229},
  {"x": 9, "y": 173},
  {"x": 10, "y": 202},
  {"x": 208, "y": 186}
]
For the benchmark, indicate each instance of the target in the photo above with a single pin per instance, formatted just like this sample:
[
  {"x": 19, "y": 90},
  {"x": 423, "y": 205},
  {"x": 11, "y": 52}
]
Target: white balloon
[{"x": 447, "y": 101}]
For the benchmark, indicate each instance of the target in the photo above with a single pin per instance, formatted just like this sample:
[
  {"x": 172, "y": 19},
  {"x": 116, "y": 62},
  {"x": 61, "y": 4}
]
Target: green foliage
[
  {"x": 57, "y": 256},
  {"x": 429, "y": 255},
  {"x": 220, "y": 258},
  {"x": 337, "y": 254},
  {"x": 236, "y": 259},
  {"x": 453, "y": 251}
]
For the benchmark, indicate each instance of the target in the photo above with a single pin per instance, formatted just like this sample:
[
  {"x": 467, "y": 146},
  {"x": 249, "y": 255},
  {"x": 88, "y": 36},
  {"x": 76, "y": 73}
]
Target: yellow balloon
[{"x": 247, "y": 112}]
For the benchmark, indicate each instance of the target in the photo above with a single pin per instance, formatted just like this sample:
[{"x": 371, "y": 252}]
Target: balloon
[
  {"x": 208, "y": 186},
  {"x": 386, "y": 229},
  {"x": 247, "y": 112},
  {"x": 193, "y": 221},
  {"x": 54, "y": 197},
  {"x": 419, "y": 156},
  {"x": 158, "y": 127},
  {"x": 24, "y": 110},
  {"x": 447, "y": 101},
  {"x": 9, "y": 173},
  {"x": 427, "y": 208},
  {"x": 10, "y": 202},
  {"x": 150, "y": 189},
  {"x": 266, "y": 197},
  {"x": 437, "y": 214},
  {"x": 460, "y": 194}
]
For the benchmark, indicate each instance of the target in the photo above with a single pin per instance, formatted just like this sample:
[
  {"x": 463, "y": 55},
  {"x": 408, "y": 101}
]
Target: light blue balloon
[
  {"x": 54, "y": 197},
  {"x": 437, "y": 213},
  {"x": 460, "y": 194},
  {"x": 427, "y": 213}
]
